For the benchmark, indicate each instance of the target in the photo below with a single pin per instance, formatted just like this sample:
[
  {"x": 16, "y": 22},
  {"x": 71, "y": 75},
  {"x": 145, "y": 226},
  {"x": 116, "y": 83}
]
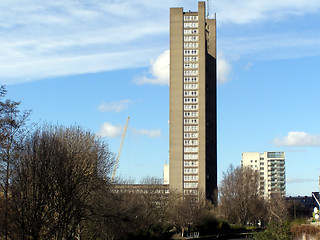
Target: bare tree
[
  {"x": 140, "y": 209},
  {"x": 278, "y": 208},
  {"x": 239, "y": 198},
  {"x": 56, "y": 177},
  {"x": 187, "y": 213},
  {"x": 12, "y": 129}
]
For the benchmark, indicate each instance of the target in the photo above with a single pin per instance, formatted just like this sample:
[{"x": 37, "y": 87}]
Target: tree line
[{"x": 55, "y": 184}]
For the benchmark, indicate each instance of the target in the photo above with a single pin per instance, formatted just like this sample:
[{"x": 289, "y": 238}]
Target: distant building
[
  {"x": 271, "y": 168},
  {"x": 193, "y": 117},
  {"x": 166, "y": 174},
  {"x": 303, "y": 206}
]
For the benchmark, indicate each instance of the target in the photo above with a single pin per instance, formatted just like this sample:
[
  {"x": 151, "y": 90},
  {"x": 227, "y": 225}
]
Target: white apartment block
[{"x": 271, "y": 168}]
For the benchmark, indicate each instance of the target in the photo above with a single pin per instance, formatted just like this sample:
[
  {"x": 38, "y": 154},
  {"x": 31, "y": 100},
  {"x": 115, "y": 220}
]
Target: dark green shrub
[{"x": 275, "y": 231}]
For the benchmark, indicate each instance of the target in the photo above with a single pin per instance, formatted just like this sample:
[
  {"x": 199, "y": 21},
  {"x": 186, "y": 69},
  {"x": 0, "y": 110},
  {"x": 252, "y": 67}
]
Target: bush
[
  {"x": 208, "y": 225},
  {"x": 275, "y": 231},
  {"x": 307, "y": 229}
]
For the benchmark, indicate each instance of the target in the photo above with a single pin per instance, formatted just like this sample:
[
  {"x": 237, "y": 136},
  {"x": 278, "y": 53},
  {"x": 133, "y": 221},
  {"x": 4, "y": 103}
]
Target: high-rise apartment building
[
  {"x": 193, "y": 124},
  {"x": 271, "y": 168}
]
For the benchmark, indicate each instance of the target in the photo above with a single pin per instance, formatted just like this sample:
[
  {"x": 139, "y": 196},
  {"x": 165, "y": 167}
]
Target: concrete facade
[
  {"x": 193, "y": 135},
  {"x": 271, "y": 168}
]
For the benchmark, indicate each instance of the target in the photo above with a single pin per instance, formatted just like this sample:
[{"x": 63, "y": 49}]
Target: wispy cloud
[
  {"x": 109, "y": 130},
  {"x": 298, "y": 139},
  {"x": 159, "y": 71},
  {"x": 276, "y": 45},
  {"x": 300, "y": 180},
  {"x": 113, "y": 131},
  {"x": 56, "y": 38},
  {"x": 115, "y": 106},
  {"x": 250, "y": 11},
  {"x": 148, "y": 133}
]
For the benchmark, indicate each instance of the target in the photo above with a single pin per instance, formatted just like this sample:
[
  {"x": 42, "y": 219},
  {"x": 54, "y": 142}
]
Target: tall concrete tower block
[{"x": 193, "y": 104}]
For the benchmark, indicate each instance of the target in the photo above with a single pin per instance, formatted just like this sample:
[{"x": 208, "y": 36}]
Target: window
[
  {"x": 190, "y": 128},
  {"x": 190, "y": 192},
  {"x": 190, "y": 38},
  {"x": 187, "y": 31},
  {"x": 190, "y": 156},
  {"x": 190, "y": 59},
  {"x": 190, "y": 163},
  {"x": 190, "y": 185},
  {"x": 275, "y": 154},
  {"x": 190, "y": 170},
  {"x": 190, "y": 25},
  {"x": 190, "y": 31},
  {"x": 190, "y": 86},
  {"x": 190, "y": 72},
  {"x": 194, "y": 100},
  {"x": 190, "y": 121},
  {"x": 190, "y": 79},
  {"x": 190, "y": 52},
  {"x": 190, "y": 45},
  {"x": 191, "y": 107},
  {"x": 189, "y": 178},
  {"x": 191, "y": 149},
  {"x": 190, "y": 142},
  {"x": 190, "y": 100},
  {"x": 190, "y": 65},
  {"x": 190, "y": 114},
  {"x": 190, "y": 18},
  {"x": 190, "y": 135},
  {"x": 190, "y": 93}
]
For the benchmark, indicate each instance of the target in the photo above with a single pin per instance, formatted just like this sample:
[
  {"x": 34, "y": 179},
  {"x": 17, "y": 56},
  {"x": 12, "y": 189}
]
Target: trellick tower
[{"x": 193, "y": 111}]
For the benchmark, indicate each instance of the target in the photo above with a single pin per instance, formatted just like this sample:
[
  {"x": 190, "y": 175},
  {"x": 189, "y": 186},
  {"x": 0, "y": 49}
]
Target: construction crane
[{"x": 120, "y": 149}]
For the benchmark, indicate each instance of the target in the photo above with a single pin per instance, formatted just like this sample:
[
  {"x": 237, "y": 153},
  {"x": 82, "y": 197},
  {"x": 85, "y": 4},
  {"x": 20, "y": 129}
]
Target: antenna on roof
[{"x": 208, "y": 9}]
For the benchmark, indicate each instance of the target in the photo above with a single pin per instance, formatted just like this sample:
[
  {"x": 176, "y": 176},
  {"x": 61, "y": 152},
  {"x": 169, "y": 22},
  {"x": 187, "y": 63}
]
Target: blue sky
[{"x": 94, "y": 63}]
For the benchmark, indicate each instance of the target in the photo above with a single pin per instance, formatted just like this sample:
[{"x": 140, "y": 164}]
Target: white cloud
[
  {"x": 298, "y": 139},
  {"x": 224, "y": 69},
  {"x": 115, "y": 106},
  {"x": 109, "y": 130},
  {"x": 148, "y": 133},
  {"x": 300, "y": 180},
  {"x": 159, "y": 71}
]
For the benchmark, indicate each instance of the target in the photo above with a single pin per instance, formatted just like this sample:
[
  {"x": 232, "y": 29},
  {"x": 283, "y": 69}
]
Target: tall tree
[
  {"x": 12, "y": 129},
  {"x": 59, "y": 171},
  {"x": 240, "y": 202}
]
